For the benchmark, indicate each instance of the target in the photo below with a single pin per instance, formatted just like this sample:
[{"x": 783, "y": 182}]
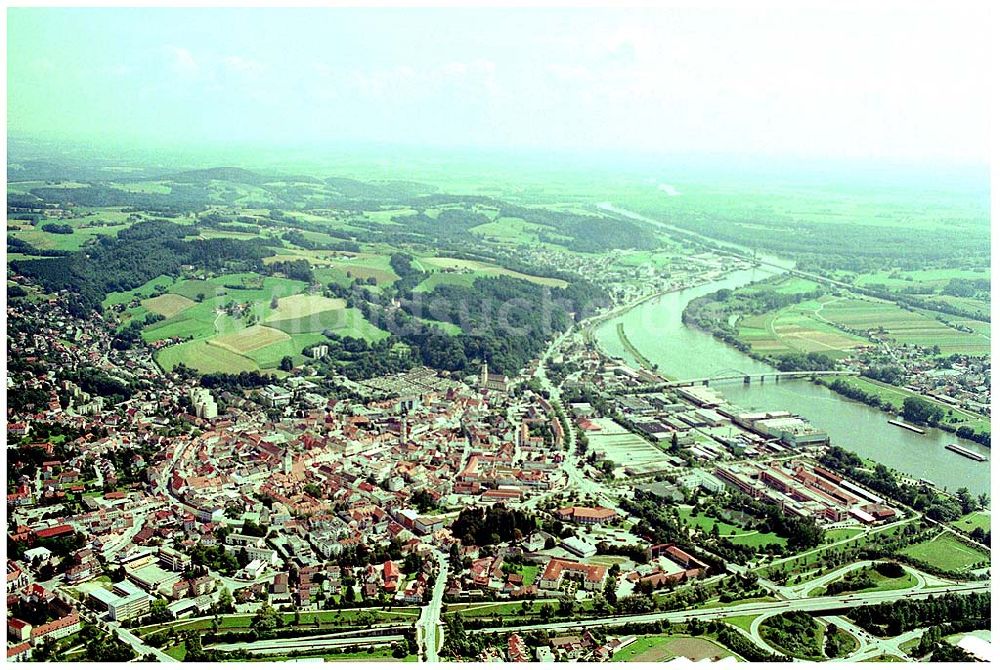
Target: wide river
[{"x": 655, "y": 328}]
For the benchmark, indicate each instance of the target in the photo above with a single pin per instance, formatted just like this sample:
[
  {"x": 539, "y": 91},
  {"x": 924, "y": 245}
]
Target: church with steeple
[{"x": 493, "y": 382}]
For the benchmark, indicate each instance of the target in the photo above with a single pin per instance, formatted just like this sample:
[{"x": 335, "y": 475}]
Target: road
[
  {"x": 430, "y": 632},
  {"x": 300, "y": 644},
  {"x": 115, "y": 628},
  {"x": 818, "y": 604},
  {"x": 138, "y": 645},
  {"x": 576, "y": 479}
]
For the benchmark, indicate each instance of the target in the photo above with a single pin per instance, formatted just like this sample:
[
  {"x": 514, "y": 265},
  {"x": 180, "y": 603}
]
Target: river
[{"x": 656, "y": 330}]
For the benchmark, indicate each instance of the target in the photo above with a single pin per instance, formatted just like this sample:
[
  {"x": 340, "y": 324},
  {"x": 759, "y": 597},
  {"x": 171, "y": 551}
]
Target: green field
[
  {"x": 797, "y": 328},
  {"x": 205, "y": 321},
  {"x": 946, "y": 552},
  {"x": 382, "y": 654},
  {"x": 196, "y": 289},
  {"x": 510, "y": 229},
  {"x": 837, "y": 534},
  {"x": 924, "y": 279},
  {"x": 464, "y": 272},
  {"x": 742, "y": 622},
  {"x": 144, "y": 291},
  {"x": 204, "y": 357},
  {"x": 658, "y": 648},
  {"x": 882, "y": 583},
  {"x": 59, "y": 242},
  {"x": 730, "y": 532},
  {"x": 777, "y": 631},
  {"x": 904, "y": 326},
  {"x": 973, "y": 520}
]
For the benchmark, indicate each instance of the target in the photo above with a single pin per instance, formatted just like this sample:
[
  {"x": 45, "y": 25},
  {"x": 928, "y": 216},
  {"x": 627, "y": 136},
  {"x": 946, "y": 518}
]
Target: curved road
[{"x": 820, "y": 604}]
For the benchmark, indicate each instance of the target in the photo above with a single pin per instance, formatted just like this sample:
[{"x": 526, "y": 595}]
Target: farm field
[
  {"x": 657, "y": 648},
  {"x": 946, "y": 552},
  {"x": 904, "y": 326},
  {"x": 203, "y": 319},
  {"x": 510, "y": 229},
  {"x": 249, "y": 339},
  {"x": 198, "y": 288},
  {"x": 931, "y": 279},
  {"x": 797, "y": 328},
  {"x": 203, "y": 357},
  {"x": 976, "y": 307},
  {"x": 154, "y": 285},
  {"x": 348, "y": 322},
  {"x": 484, "y": 269},
  {"x": 167, "y": 304},
  {"x": 301, "y": 305},
  {"x": 223, "y": 343},
  {"x": 270, "y": 355}
]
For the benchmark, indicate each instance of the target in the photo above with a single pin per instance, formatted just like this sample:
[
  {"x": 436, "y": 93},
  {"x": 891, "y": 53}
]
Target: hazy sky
[{"x": 890, "y": 84}]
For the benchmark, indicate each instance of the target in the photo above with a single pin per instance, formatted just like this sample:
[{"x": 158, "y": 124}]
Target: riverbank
[
  {"x": 884, "y": 396},
  {"x": 657, "y": 330},
  {"x": 629, "y": 347}
]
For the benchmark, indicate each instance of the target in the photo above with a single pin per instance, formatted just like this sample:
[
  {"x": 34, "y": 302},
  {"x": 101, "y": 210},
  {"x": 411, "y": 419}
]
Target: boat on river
[
  {"x": 968, "y": 453},
  {"x": 903, "y": 424}
]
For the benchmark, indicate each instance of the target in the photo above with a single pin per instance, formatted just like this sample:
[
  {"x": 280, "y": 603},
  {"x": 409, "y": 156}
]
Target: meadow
[
  {"x": 731, "y": 532},
  {"x": 973, "y": 520},
  {"x": 946, "y": 552},
  {"x": 465, "y": 272}
]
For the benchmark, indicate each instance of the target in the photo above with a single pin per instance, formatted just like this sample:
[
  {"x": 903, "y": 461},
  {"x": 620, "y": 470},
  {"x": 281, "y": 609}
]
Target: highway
[{"x": 818, "y": 604}]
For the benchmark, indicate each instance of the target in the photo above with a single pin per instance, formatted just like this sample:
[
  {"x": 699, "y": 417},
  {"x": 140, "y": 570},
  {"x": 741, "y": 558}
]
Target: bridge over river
[
  {"x": 756, "y": 376},
  {"x": 738, "y": 375}
]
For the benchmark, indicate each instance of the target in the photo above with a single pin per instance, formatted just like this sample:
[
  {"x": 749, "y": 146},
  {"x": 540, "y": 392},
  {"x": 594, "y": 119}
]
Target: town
[{"x": 414, "y": 494}]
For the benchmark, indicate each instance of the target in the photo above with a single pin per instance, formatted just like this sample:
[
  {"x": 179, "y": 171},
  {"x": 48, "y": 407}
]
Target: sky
[{"x": 839, "y": 84}]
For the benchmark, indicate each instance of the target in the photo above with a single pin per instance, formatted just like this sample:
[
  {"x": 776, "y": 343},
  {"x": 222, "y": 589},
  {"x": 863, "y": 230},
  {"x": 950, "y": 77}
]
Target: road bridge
[{"x": 756, "y": 376}]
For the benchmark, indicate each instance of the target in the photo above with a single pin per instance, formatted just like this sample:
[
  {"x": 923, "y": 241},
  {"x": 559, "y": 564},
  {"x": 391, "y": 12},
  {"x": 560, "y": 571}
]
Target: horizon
[{"x": 649, "y": 85}]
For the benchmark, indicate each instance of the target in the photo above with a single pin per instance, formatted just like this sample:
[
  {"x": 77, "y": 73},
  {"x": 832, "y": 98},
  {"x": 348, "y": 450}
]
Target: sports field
[
  {"x": 657, "y": 648},
  {"x": 946, "y": 552}
]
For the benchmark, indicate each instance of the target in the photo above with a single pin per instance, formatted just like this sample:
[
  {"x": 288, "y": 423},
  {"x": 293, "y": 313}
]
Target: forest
[{"x": 133, "y": 257}]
